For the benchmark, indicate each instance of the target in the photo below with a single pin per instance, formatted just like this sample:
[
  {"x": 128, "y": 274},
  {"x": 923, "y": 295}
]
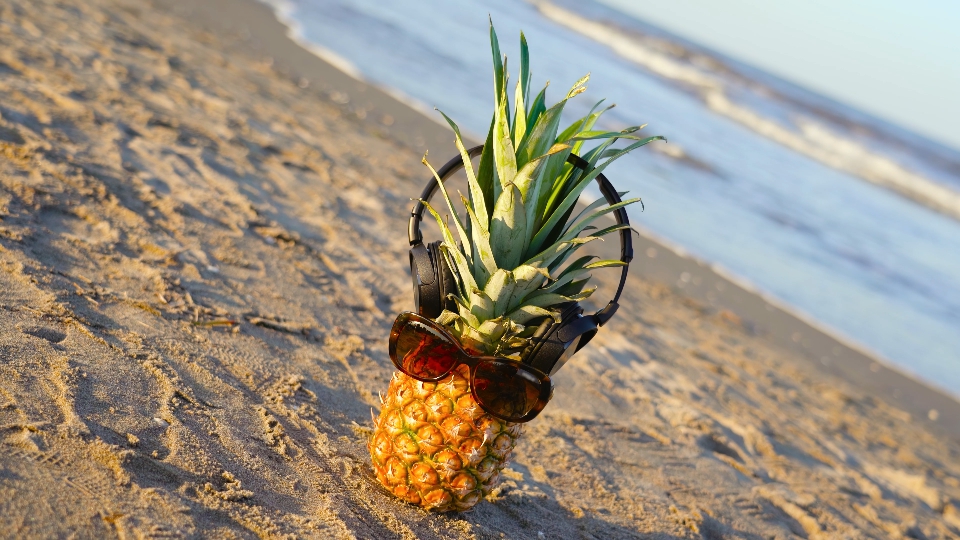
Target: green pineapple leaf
[
  {"x": 487, "y": 172},
  {"x": 464, "y": 237},
  {"x": 477, "y": 196},
  {"x": 500, "y": 287},
  {"x": 557, "y": 166},
  {"x": 571, "y": 198},
  {"x": 570, "y": 179},
  {"x": 481, "y": 305},
  {"x": 538, "y": 106},
  {"x": 447, "y": 317},
  {"x": 599, "y": 202},
  {"x": 612, "y": 229},
  {"x": 484, "y": 262},
  {"x": 523, "y": 91},
  {"x": 528, "y": 279},
  {"x": 579, "y": 263},
  {"x": 498, "y": 71},
  {"x": 547, "y": 299},
  {"x": 560, "y": 249},
  {"x": 503, "y": 150},
  {"x": 578, "y": 87},
  {"x": 467, "y": 282},
  {"x": 508, "y": 228},
  {"x": 574, "y": 288},
  {"x": 525, "y": 314},
  {"x": 529, "y": 175},
  {"x": 542, "y": 136},
  {"x": 575, "y": 228},
  {"x": 605, "y": 263}
]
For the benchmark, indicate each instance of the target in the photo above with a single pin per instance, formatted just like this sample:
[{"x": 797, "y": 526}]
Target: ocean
[{"x": 845, "y": 218}]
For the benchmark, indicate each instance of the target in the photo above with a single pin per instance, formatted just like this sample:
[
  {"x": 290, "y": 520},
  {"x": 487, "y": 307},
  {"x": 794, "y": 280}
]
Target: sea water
[{"x": 847, "y": 219}]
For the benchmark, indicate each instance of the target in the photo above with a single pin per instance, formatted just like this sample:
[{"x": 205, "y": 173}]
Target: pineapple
[{"x": 432, "y": 444}]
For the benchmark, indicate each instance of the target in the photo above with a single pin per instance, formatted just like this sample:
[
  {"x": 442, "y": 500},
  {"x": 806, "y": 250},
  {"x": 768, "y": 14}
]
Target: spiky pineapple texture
[
  {"x": 516, "y": 232},
  {"x": 434, "y": 447}
]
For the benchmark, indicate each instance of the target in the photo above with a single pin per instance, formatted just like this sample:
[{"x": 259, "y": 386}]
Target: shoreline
[{"x": 388, "y": 116}]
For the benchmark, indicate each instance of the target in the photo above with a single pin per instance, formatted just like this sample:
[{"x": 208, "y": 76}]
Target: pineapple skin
[{"x": 433, "y": 446}]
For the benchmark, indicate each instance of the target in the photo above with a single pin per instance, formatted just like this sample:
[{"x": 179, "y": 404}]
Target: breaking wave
[{"x": 804, "y": 134}]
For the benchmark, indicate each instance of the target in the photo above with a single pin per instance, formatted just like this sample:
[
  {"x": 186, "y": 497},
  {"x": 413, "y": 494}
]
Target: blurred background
[{"x": 813, "y": 146}]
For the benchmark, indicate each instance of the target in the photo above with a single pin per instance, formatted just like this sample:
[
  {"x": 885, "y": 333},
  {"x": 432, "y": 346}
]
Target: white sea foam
[{"x": 810, "y": 138}]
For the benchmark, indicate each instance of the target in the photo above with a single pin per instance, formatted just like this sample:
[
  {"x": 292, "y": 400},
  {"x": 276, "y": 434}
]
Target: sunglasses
[{"x": 507, "y": 389}]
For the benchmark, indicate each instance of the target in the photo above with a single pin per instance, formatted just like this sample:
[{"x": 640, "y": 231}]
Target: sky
[{"x": 897, "y": 60}]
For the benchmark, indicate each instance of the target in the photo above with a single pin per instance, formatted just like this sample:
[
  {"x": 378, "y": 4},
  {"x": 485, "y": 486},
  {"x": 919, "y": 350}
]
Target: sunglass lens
[
  {"x": 505, "y": 389},
  {"x": 423, "y": 352}
]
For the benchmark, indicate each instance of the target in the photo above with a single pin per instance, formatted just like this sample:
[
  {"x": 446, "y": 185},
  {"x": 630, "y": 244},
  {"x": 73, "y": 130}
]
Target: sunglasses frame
[{"x": 546, "y": 385}]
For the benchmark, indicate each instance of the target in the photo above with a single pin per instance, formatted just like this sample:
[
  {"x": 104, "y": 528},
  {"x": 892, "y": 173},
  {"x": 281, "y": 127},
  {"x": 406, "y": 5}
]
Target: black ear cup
[
  {"x": 555, "y": 342},
  {"x": 426, "y": 286},
  {"x": 433, "y": 281},
  {"x": 445, "y": 279}
]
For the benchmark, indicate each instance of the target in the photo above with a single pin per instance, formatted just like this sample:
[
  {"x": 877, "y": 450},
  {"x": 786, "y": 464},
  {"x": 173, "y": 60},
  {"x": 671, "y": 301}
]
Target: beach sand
[{"x": 202, "y": 249}]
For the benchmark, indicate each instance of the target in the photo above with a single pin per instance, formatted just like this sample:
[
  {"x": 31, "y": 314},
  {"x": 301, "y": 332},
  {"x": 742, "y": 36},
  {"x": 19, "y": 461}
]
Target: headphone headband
[{"x": 606, "y": 188}]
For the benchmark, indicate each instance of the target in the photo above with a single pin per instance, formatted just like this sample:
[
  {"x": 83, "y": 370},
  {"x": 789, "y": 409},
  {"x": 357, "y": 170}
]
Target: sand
[{"x": 202, "y": 250}]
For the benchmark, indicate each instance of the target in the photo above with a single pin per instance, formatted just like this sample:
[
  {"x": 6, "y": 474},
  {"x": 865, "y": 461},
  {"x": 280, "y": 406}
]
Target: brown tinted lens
[
  {"x": 505, "y": 389},
  {"x": 423, "y": 352}
]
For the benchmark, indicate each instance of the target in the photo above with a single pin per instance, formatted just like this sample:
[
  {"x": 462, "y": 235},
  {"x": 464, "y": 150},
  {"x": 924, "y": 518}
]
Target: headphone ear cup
[
  {"x": 433, "y": 280},
  {"x": 439, "y": 265},
  {"x": 426, "y": 296},
  {"x": 446, "y": 279},
  {"x": 530, "y": 352},
  {"x": 544, "y": 349},
  {"x": 555, "y": 342}
]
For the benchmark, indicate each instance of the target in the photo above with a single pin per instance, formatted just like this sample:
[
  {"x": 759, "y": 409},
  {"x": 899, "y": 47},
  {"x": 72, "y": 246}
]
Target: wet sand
[{"x": 202, "y": 255}]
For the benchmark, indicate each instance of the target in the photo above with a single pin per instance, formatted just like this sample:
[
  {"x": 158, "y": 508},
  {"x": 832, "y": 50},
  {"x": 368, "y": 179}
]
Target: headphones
[{"x": 553, "y": 343}]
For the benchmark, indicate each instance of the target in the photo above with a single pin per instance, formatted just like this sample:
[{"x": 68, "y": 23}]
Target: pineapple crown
[{"x": 517, "y": 232}]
